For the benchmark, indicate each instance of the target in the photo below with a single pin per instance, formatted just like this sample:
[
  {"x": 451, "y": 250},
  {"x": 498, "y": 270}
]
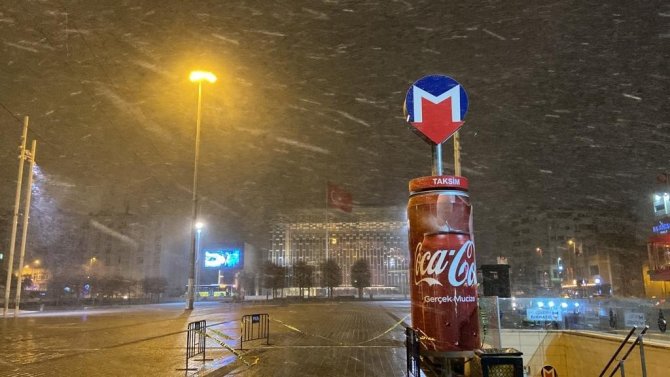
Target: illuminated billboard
[
  {"x": 223, "y": 259},
  {"x": 662, "y": 204}
]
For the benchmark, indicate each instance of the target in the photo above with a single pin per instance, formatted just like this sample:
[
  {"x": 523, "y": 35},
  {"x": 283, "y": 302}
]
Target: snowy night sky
[{"x": 569, "y": 103}]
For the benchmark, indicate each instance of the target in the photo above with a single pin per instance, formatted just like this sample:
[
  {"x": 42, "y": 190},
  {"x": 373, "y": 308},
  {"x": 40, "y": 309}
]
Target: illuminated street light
[{"x": 199, "y": 77}]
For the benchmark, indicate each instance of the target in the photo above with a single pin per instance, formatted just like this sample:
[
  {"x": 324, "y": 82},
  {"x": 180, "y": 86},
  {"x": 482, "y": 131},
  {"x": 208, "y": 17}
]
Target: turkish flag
[{"x": 339, "y": 198}]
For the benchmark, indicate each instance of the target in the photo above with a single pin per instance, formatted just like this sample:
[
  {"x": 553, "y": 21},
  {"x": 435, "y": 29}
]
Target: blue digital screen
[{"x": 224, "y": 259}]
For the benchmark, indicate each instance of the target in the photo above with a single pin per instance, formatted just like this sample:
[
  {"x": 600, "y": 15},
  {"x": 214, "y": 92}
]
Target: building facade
[
  {"x": 657, "y": 268},
  {"x": 378, "y": 235},
  {"x": 572, "y": 252}
]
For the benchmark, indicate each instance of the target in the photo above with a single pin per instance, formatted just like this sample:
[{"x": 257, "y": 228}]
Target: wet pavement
[{"x": 320, "y": 338}]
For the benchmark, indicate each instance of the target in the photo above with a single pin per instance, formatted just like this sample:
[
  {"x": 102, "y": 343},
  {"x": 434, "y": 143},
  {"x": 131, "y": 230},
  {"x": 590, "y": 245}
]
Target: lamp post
[
  {"x": 15, "y": 218},
  {"x": 198, "y": 227},
  {"x": 199, "y": 77},
  {"x": 24, "y": 236}
]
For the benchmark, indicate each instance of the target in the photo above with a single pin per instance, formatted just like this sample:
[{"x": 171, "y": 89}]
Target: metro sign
[{"x": 435, "y": 106}]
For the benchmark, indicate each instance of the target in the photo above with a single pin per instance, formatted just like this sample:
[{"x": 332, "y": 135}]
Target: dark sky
[{"x": 569, "y": 103}]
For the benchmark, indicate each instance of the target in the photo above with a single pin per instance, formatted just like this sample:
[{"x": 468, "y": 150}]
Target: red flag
[{"x": 339, "y": 198}]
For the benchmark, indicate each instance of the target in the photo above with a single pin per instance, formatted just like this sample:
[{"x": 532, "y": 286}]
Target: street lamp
[
  {"x": 199, "y": 77},
  {"x": 199, "y": 226}
]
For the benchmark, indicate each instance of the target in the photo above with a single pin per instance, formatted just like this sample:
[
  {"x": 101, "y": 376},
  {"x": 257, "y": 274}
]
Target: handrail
[
  {"x": 637, "y": 340},
  {"x": 623, "y": 343}
]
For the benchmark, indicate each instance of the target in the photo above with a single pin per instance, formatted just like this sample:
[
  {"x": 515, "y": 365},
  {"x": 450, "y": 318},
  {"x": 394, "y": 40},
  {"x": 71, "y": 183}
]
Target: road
[{"x": 306, "y": 339}]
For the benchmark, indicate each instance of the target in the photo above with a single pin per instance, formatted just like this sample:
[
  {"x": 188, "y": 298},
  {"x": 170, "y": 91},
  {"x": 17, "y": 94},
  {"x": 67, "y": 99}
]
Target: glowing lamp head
[{"x": 198, "y": 76}]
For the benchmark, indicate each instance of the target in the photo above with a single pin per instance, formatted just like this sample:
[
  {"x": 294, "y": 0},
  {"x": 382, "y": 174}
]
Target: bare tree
[
  {"x": 332, "y": 275},
  {"x": 273, "y": 277},
  {"x": 154, "y": 287},
  {"x": 360, "y": 275},
  {"x": 303, "y": 275}
]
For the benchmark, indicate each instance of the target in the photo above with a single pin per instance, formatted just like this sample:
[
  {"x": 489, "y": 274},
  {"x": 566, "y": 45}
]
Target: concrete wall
[{"x": 577, "y": 354}]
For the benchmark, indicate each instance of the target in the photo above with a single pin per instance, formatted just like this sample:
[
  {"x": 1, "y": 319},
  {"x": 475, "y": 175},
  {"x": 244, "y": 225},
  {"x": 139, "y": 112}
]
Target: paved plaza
[{"x": 316, "y": 338}]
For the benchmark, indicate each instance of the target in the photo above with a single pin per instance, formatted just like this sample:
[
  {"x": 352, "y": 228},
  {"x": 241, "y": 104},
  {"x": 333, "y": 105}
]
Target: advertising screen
[
  {"x": 661, "y": 204},
  {"x": 223, "y": 259}
]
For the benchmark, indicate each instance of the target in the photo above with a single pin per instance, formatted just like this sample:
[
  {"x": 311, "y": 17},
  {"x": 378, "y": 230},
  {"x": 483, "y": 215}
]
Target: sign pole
[
  {"x": 437, "y": 159},
  {"x": 457, "y": 154}
]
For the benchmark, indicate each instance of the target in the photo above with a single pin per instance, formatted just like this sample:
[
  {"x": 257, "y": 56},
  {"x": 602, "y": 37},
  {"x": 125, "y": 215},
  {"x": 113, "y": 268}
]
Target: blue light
[{"x": 540, "y": 304}]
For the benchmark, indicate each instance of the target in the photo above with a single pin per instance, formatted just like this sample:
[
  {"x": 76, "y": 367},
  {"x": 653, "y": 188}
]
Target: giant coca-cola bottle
[{"x": 443, "y": 274}]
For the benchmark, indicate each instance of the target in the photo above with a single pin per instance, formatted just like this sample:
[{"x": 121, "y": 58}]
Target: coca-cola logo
[{"x": 460, "y": 265}]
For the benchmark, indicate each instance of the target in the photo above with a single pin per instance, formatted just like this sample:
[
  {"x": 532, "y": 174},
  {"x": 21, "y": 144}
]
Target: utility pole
[
  {"x": 24, "y": 229},
  {"x": 15, "y": 219}
]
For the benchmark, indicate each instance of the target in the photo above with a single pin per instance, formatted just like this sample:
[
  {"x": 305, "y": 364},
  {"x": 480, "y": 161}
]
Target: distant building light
[
  {"x": 597, "y": 281},
  {"x": 540, "y": 304},
  {"x": 576, "y": 304},
  {"x": 551, "y": 304},
  {"x": 564, "y": 305},
  {"x": 661, "y": 228}
]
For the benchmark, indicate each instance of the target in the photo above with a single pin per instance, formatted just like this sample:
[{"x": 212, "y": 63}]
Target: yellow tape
[
  {"x": 302, "y": 332},
  {"x": 231, "y": 349},
  {"x": 219, "y": 333},
  {"x": 387, "y": 331},
  {"x": 289, "y": 326},
  {"x": 340, "y": 343}
]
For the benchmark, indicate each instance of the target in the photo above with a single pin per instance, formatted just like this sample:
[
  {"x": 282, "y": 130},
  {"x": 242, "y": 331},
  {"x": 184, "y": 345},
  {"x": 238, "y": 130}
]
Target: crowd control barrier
[
  {"x": 196, "y": 342},
  {"x": 413, "y": 352},
  {"x": 255, "y": 327}
]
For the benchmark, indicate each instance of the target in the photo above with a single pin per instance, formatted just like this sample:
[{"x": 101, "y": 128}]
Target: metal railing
[
  {"x": 620, "y": 366},
  {"x": 196, "y": 336},
  {"x": 254, "y": 327}
]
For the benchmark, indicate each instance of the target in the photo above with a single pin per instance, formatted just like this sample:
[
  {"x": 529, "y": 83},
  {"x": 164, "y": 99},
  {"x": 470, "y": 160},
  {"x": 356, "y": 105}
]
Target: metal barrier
[
  {"x": 196, "y": 342},
  {"x": 254, "y": 327},
  {"x": 412, "y": 346}
]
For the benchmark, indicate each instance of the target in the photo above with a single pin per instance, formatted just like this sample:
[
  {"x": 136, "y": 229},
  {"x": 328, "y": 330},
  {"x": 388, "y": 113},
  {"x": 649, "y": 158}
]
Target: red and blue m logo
[{"x": 436, "y": 106}]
